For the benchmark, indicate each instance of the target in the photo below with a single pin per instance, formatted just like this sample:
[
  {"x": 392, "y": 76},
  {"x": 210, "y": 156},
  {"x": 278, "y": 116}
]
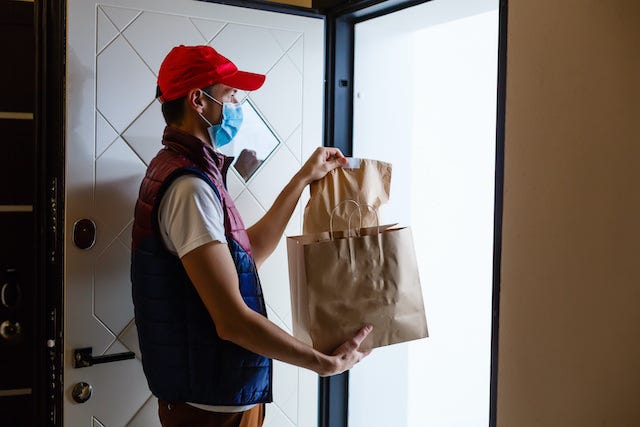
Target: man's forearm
[
  {"x": 266, "y": 233},
  {"x": 259, "y": 335}
]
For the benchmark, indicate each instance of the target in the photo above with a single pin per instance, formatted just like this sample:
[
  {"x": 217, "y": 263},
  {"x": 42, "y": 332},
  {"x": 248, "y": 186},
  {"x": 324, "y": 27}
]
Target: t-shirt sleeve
[{"x": 190, "y": 215}]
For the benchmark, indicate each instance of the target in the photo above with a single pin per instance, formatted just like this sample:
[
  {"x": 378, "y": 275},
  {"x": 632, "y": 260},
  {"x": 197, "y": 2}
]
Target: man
[{"x": 205, "y": 340}]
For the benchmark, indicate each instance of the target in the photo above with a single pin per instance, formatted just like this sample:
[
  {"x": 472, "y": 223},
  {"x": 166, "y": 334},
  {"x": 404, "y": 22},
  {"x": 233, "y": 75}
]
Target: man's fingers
[
  {"x": 334, "y": 155},
  {"x": 361, "y": 335}
]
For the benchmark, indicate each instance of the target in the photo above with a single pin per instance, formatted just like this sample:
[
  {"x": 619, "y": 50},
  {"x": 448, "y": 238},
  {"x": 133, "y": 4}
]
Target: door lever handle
[{"x": 83, "y": 357}]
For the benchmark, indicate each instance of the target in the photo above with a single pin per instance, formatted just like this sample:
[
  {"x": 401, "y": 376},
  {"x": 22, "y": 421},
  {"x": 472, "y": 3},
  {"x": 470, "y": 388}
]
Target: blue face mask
[{"x": 223, "y": 133}]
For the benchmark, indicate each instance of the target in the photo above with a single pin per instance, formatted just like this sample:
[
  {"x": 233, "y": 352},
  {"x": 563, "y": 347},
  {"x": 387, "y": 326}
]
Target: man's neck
[{"x": 195, "y": 129}]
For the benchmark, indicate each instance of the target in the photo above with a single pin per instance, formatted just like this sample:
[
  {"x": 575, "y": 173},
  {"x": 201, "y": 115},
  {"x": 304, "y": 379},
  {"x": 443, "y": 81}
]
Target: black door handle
[{"x": 83, "y": 357}]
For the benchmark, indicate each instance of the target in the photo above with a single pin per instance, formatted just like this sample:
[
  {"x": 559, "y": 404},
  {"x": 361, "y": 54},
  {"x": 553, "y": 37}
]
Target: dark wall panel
[
  {"x": 17, "y": 254},
  {"x": 17, "y": 44},
  {"x": 17, "y": 163},
  {"x": 16, "y": 411}
]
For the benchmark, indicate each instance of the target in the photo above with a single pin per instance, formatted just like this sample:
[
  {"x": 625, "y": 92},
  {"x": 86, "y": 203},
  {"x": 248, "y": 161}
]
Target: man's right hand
[{"x": 347, "y": 355}]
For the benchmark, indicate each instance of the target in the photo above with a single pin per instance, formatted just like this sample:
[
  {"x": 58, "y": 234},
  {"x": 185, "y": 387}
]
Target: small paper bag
[{"x": 365, "y": 181}]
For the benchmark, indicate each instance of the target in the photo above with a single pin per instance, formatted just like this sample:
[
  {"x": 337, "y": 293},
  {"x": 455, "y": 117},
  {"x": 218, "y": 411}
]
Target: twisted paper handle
[{"x": 358, "y": 206}]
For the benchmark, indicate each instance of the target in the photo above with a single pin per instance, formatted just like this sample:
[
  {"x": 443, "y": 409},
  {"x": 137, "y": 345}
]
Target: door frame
[
  {"x": 340, "y": 36},
  {"x": 50, "y": 51}
]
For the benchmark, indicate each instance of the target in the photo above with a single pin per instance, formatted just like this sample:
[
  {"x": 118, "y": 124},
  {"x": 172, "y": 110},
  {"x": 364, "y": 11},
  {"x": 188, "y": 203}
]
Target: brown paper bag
[
  {"x": 364, "y": 181},
  {"x": 338, "y": 285}
]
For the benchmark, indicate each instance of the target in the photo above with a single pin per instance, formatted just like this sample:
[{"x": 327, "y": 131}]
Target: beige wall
[
  {"x": 570, "y": 302},
  {"x": 303, "y": 3}
]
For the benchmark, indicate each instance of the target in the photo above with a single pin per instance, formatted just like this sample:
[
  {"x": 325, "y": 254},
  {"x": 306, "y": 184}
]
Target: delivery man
[{"x": 205, "y": 340}]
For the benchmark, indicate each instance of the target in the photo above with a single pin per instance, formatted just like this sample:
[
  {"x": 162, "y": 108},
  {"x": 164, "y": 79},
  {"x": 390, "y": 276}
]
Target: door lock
[
  {"x": 84, "y": 233},
  {"x": 81, "y": 392},
  {"x": 10, "y": 330}
]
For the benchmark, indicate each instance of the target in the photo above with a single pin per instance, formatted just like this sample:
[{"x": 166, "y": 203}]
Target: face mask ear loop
[
  {"x": 200, "y": 114},
  {"x": 205, "y": 120},
  {"x": 211, "y": 97}
]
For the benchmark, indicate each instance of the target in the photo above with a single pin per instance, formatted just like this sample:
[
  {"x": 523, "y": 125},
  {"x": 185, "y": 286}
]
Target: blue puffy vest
[{"x": 183, "y": 357}]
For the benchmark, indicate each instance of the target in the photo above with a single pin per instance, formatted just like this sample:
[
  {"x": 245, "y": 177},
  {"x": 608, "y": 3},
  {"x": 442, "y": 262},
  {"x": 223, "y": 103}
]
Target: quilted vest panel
[{"x": 183, "y": 357}]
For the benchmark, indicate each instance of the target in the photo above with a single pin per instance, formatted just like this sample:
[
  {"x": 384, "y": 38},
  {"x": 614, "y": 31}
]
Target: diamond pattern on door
[
  {"x": 276, "y": 418},
  {"x": 153, "y": 46},
  {"x": 285, "y": 389},
  {"x": 266, "y": 190},
  {"x": 147, "y": 415},
  {"x": 296, "y": 53},
  {"x": 254, "y": 49},
  {"x": 129, "y": 338},
  {"x": 235, "y": 185},
  {"x": 129, "y": 379},
  {"x": 280, "y": 99},
  {"x": 120, "y": 16},
  {"x": 125, "y": 84},
  {"x": 119, "y": 172},
  {"x": 285, "y": 38},
  {"x": 106, "y": 31},
  {"x": 294, "y": 142},
  {"x": 105, "y": 134},
  {"x": 144, "y": 143},
  {"x": 112, "y": 288},
  {"x": 249, "y": 208},
  {"x": 208, "y": 28}
]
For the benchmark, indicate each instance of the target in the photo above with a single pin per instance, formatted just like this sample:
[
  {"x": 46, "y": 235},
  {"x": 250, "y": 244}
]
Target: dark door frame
[
  {"x": 50, "y": 29},
  {"x": 50, "y": 16}
]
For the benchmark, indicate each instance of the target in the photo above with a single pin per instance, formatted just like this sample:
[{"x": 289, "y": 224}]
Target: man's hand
[
  {"x": 321, "y": 162},
  {"x": 247, "y": 163},
  {"x": 347, "y": 355}
]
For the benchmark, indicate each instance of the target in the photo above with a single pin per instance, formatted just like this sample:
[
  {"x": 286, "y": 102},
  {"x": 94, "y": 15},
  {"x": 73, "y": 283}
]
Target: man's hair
[{"x": 173, "y": 111}]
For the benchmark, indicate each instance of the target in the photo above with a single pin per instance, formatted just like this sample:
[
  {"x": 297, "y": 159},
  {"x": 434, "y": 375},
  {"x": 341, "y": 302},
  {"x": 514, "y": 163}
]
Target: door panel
[{"x": 114, "y": 128}]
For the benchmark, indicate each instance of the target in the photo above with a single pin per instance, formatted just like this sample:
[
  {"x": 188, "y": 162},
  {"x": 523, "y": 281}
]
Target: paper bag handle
[{"x": 358, "y": 206}]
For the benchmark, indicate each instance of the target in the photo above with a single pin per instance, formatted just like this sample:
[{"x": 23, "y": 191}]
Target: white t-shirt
[{"x": 189, "y": 216}]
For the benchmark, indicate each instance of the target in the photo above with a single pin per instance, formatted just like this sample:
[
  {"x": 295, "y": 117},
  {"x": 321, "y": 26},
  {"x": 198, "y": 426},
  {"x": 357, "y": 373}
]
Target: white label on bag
[{"x": 352, "y": 163}]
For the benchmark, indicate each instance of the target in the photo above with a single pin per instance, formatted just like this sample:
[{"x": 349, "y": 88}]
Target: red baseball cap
[{"x": 196, "y": 67}]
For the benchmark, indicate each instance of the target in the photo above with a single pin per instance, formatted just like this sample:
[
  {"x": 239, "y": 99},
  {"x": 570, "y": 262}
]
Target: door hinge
[{"x": 54, "y": 376}]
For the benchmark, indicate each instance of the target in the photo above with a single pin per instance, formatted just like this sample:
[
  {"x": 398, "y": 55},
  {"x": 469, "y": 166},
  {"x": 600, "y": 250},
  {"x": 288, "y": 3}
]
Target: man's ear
[{"x": 195, "y": 100}]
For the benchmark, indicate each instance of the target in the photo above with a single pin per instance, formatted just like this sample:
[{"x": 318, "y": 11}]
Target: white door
[{"x": 114, "y": 127}]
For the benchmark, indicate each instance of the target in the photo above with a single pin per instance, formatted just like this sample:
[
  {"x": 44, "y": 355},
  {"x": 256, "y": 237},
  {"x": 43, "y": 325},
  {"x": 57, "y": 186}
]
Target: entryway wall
[{"x": 569, "y": 312}]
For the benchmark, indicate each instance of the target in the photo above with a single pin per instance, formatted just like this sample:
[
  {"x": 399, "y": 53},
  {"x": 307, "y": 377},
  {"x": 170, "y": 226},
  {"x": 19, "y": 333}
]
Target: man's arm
[
  {"x": 213, "y": 273},
  {"x": 266, "y": 233}
]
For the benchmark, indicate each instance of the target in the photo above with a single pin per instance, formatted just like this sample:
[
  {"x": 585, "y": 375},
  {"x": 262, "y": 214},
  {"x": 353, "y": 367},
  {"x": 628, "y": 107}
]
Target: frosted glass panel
[{"x": 425, "y": 100}]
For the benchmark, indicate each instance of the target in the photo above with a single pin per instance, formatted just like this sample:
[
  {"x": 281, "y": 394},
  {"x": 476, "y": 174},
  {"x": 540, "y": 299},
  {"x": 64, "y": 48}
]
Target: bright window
[{"x": 425, "y": 100}]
